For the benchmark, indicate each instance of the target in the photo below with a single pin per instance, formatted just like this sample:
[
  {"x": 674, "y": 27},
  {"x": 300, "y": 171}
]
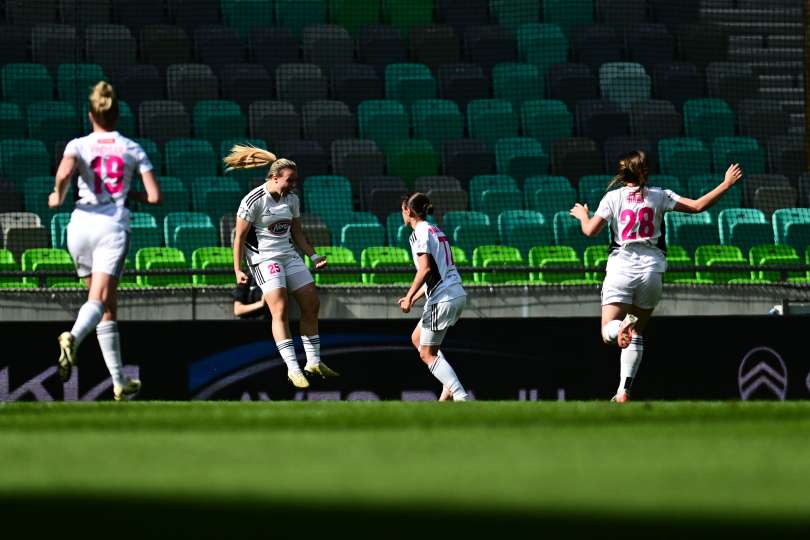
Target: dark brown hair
[
  {"x": 632, "y": 169},
  {"x": 418, "y": 203}
]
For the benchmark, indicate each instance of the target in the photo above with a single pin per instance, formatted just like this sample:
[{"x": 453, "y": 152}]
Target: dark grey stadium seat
[
  {"x": 655, "y": 119},
  {"x": 678, "y": 83},
  {"x": 571, "y": 83},
  {"x": 357, "y": 158},
  {"x": 355, "y": 83},
  {"x": 596, "y": 45},
  {"x": 465, "y": 158},
  {"x": 327, "y": 45},
  {"x": 435, "y": 45},
  {"x": 272, "y": 47},
  {"x": 326, "y": 121},
  {"x": 218, "y": 46},
  {"x": 599, "y": 119},
  {"x": 489, "y": 45},
  {"x": 189, "y": 83},
  {"x": 138, "y": 14},
  {"x": 112, "y": 46},
  {"x": 138, "y": 83},
  {"x": 618, "y": 147},
  {"x": 575, "y": 157},
  {"x": 246, "y": 83},
  {"x": 299, "y": 83},
  {"x": 463, "y": 83},
  {"x": 49, "y": 43},
  {"x": 162, "y": 120},
  {"x": 424, "y": 184},
  {"x": 82, "y": 13},
  {"x": 308, "y": 155},
  {"x": 274, "y": 121},
  {"x": 164, "y": 44},
  {"x": 650, "y": 45},
  {"x": 379, "y": 46}
]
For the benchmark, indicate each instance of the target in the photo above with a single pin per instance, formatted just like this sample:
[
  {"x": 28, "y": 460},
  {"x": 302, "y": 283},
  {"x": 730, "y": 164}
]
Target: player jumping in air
[
  {"x": 98, "y": 232},
  {"x": 267, "y": 224},
  {"x": 439, "y": 281},
  {"x": 637, "y": 261}
]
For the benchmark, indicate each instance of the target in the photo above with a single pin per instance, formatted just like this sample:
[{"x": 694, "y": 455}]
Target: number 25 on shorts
[{"x": 273, "y": 268}]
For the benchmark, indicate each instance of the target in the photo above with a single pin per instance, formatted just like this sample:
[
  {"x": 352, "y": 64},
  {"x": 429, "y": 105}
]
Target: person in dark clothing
[{"x": 248, "y": 302}]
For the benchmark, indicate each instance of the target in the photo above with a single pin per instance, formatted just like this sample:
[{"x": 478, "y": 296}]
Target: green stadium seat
[
  {"x": 596, "y": 257},
  {"x": 126, "y": 120},
  {"x": 12, "y": 124},
  {"x": 190, "y": 158},
  {"x": 684, "y": 157},
  {"x": 402, "y": 237},
  {"x": 716, "y": 255},
  {"x": 549, "y": 194},
  {"x": 546, "y": 120},
  {"x": 791, "y": 226},
  {"x": 456, "y": 218},
  {"x": 176, "y": 198},
  {"x": 354, "y": 14},
  {"x": 624, "y": 83},
  {"x": 206, "y": 258},
  {"x": 59, "y": 223},
  {"x": 392, "y": 224},
  {"x": 485, "y": 182},
  {"x": 592, "y": 188},
  {"x": 218, "y": 120},
  {"x": 327, "y": 195},
  {"x": 667, "y": 181},
  {"x": 774, "y": 255},
  {"x": 546, "y": 256},
  {"x": 187, "y": 238},
  {"x": 144, "y": 232},
  {"x": 677, "y": 257},
  {"x": 52, "y": 121},
  {"x": 524, "y": 229},
  {"x": 488, "y": 255},
  {"x": 490, "y": 120},
  {"x": 407, "y": 83},
  {"x": 568, "y": 14},
  {"x": 411, "y": 158},
  {"x": 470, "y": 236},
  {"x": 690, "y": 230},
  {"x": 744, "y": 228},
  {"x": 36, "y": 190},
  {"x": 568, "y": 232},
  {"x": 512, "y": 14},
  {"x": 39, "y": 259},
  {"x": 174, "y": 220},
  {"x": 520, "y": 157},
  {"x": 462, "y": 262},
  {"x": 161, "y": 258},
  {"x": 437, "y": 120},
  {"x": 26, "y": 83},
  {"x": 298, "y": 14},
  {"x": 743, "y": 150},
  {"x": 247, "y": 15},
  {"x": 153, "y": 153},
  {"x": 359, "y": 236},
  {"x": 337, "y": 257},
  {"x": 23, "y": 158},
  {"x": 383, "y": 121},
  {"x": 517, "y": 83},
  {"x": 701, "y": 184},
  {"x": 216, "y": 196},
  {"x": 385, "y": 257},
  {"x": 74, "y": 82},
  {"x": 8, "y": 264},
  {"x": 497, "y": 200},
  {"x": 542, "y": 45},
  {"x": 16, "y": 285},
  {"x": 707, "y": 118},
  {"x": 406, "y": 14}
]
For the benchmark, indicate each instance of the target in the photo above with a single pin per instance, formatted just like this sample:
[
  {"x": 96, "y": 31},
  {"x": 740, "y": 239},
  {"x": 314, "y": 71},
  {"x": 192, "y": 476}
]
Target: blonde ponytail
[
  {"x": 246, "y": 156},
  {"x": 104, "y": 105}
]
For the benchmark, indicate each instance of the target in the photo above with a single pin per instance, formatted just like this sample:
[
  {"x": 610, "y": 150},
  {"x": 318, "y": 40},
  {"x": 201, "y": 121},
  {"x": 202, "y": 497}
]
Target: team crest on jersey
[{"x": 280, "y": 228}]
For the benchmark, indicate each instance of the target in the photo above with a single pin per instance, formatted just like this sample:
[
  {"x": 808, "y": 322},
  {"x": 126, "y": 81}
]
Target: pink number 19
[{"x": 110, "y": 170}]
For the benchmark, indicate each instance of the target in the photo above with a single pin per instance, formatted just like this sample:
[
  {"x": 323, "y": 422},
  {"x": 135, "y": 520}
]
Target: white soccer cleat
[
  {"x": 321, "y": 370},
  {"x": 626, "y": 329},
  {"x": 121, "y": 393},
  {"x": 621, "y": 397},
  {"x": 297, "y": 379},
  {"x": 67, "y": 355}
]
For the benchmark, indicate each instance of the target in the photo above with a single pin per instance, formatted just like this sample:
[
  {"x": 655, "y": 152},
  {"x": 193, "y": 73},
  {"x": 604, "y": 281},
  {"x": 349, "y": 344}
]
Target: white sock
[
  {"x": 88, "y": 318},
  {"x": 630, "y": 361},
  {"x": 610, "y": 332},
  {"x": 442, "y": 370},
  {"x": 107, "y": 334},
  {"x": 312, "y": 348},
  {"x": 287, "y": 351}
]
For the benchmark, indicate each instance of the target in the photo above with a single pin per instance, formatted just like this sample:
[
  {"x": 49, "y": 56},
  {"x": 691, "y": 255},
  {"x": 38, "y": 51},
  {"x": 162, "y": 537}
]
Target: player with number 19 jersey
[{"x": 636, "y": 217}]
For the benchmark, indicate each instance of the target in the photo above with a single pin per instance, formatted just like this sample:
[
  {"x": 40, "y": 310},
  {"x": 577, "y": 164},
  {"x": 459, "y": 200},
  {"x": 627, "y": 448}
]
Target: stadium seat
[
  {"x": 762, "y": 118},
  {"x": 441, "y": 183},
  {"x": 310, "y": 157},
  {"x": 208, "y": 258},
  {"x": 174, "y": 220},
  {"x": 716, "y": 255},
  {"x": 405, "y": 14},
  {"x": 163, "y": 45},
  {"x": 599, "y": 119},
  {"x": 690, "y": 230},
  {"x": 383, "y": 121},
  {"x": 435, "y": 45},
  {"x": 161, "y": 258},
  {"x": 274, "y": 121},
  {"x": 354, "y": 14},
  {"x": 568, "y": 232},
  {"x": 732, "y": 81},
  {"x": 298, "y": 14},
  {"x": 190, "y": 158},
  {"x": 549, "y": 195},
  {"x": 23, "y": 158},
  {"x": 380, "y": 45},
  {"x": 359, "y": 236},
  {"x": 768, "y": 199},
  {"x": 791, "y": 226},
  {"x": 380, "y": 201},
  {"x": 407, "y": 83},
  {"x": 327, "y": 46},
  {"x": 575, "y": 157},
  {"x": 546, "y": 120},
  {"x": 513, "y": 13},
  {"x": 12, "y": 125},
  {"x": 163, "y": 120},
  {"x": 44, "y": 259},
  {"x": 496, "y": 200},
  {"x": 743, "y": 150},
  {"x": 669, "y": 182},
  {"x": 489, "y": 45},
  {"x": 194, "y": 13},
  {"x": 455, "y": 219},
  {"x": 520, "y": 157},
  {"x": 59, "y": 223},
  {"x": 437, "y": 120},
  {"x": 447, "y": 201},
  {"x": 517, "y": 83},
  {"x": 677, "y": 257},
  {"x": 22, "y": 231},
  {"x": 702, "y": 184},
  {"x": 357, "y": 158},
  {"x": 412, "y": 158},
  {"x": 554, "y": 256},
  {"x": 646, "y": 43},
  {"x": 490, "y": 120},
  {"x": 744, "y": 228},
  {"x": 618, "y": 147},
  {"x": 52, "y": 121},
  {"x": 465, "y": 158},
  {"x": 144, "y": 232},
  {"x": 568, "y": 14},
  {"x": 331, "y": 198},
  {"x": 524, "y": 229},
  {"x": 462, "y": 15},
  {"x": 774, "y": 255},
  {"x": 541, "y": 45},
  {"x": 218, "y": 46},
  {"x": 481, "y": 183},
  {"x": 354, "y": 83},
  {"x": 74, "y": 81},
  {"x": 8, "y": 264},
  {"x": 463, "y": 83},
  {"x": 468, "y": 237},
  {"x": 571, "y": 83},
  {"x": 217, "y": 120},
  {"x": 624, "y": 83},
  {"x": 141, "y": 14},
  {"x": 326, "y": 121},
  {"x": 595, "y": 257},
  {"x": 273, "y": 46},
  {"x": 655, "y": 119},
  {"x": 678, "y": 83},
  {"x": 592, "y": 188},
  {"x": 216, "y": 196},
  {"x": 190, "y": 83},
  {"x": 246, "y": 83},
  {"x": 11, "y": 200},
  {"x": 362, "y": 190},
  {"x": 247, "y": 15},
  {"x": 684, "y": 157},
  {"x": 176, "y": 198},
  {"x": 26, "y": 83},
  {"x": 708, "y": 118},
  {"x": 385, "y": 257},
  {"x": 485, "y": 256},
  {"x": 786, "y": 153},
  {"x": 597, "y": 45},
  {"x": 36, "y": 190},
  {"x": 752, "y": 183},
  {"x": 338, "y": 257}
]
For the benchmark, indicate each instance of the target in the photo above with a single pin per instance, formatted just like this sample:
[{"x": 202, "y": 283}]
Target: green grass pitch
[{"x": 405, "y": 470}]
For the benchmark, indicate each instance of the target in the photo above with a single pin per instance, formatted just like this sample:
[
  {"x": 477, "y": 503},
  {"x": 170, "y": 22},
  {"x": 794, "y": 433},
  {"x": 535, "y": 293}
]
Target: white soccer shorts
[
  {"x": 97, "y": 244},
  {"x": 287, "y": 271},
  {"x": 642, "y": 289},
  {"x": 438, "y": 317}
]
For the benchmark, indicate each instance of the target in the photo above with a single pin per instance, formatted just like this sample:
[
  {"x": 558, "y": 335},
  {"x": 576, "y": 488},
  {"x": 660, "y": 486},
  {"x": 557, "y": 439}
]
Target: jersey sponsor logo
[{"x": 280, "y": 228}]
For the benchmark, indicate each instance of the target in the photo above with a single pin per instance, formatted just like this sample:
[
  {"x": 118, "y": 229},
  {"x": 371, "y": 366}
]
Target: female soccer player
[
  {"x": 637, "y": 261},
  {"x": 267, "y": 224},
  {"x": 439, "y": 281},
  {"x": 98, "y": 232}
]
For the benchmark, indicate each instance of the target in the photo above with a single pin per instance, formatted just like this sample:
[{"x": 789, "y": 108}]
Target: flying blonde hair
[
  {"x": 104, "y": 104},
  {"x": 247, "y": 156}
]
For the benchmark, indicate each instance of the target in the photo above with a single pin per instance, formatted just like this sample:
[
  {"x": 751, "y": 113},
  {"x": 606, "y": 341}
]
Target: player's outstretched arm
[
  {"x": 692, "y": 206},
  {"x": 63, "y": 174},
  {"x": 591, "y": 226}
]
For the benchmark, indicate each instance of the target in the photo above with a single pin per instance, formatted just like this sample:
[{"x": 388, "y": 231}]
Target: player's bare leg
[
  {"x": 276, "y": 300},
  {"x": 623, "y": 325},
  {"x": 438, "y": 366}
]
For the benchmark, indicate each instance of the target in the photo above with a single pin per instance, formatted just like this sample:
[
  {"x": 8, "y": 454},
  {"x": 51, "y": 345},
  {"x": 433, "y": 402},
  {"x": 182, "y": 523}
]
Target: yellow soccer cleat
[
  {"x": 67, "y": 355},
  {"x": 322, "y": 370},
  {"x": 120, "y": 393},
  {"x": 297, "y": 379}
]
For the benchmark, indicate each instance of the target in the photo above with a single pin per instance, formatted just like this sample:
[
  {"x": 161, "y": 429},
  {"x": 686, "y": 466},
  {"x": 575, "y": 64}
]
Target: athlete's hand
[
  {"x": 580, "y": 211},
  {"x": 405, "y": 304},
  {"x": 241, "y": 277},
  {"x": 53, "y": 200},
  {"x": 320, "y": 262},
  {"x": 733, "y": 174}
]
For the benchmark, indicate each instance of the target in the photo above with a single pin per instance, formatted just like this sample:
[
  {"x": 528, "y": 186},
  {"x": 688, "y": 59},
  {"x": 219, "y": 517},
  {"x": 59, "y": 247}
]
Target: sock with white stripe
[
  {"x": 286, "y": 349},
  {"x": 630, "y": 361},
  {"x": 108, "y": 340},
  {"x": 312, "y": 348},
  {"x": 610, "y": 332},
  {"x": 88, "y": 318},
  {"x": 441, "y": 369}
]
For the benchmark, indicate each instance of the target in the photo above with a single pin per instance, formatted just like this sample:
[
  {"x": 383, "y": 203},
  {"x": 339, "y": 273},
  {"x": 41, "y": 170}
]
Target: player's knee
[
  {"x": 415, "y": 339},
  {"x": 425, "y": 355}
]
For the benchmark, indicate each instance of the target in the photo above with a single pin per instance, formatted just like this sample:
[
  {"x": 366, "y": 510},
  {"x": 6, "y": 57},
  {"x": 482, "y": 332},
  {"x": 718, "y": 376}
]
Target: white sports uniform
[
  {"x": 637, "y": 258},
  {"x": 98, "y": 232},
  {"x": 445, "y": 297},
  {"x": 269, "y": 249}
]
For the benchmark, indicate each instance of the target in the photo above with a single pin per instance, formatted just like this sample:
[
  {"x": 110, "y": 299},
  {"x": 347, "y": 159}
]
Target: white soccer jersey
[
  {"x": 636, "y": 221},
  {"x": 106, "y": 162},
  {"x": 272, "y": 222},
  {"x": 444, "y": 282}
]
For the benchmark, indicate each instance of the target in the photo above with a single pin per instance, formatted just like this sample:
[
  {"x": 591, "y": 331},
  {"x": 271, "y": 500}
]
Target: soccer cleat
[
  {"x": 67, "y": 355},
  {"x": 297, "y": 379},
  {"x": 322, "y": 370},
  {"x": 120, "y": 393},
  {"x": 626, "y": 329},
  {"x": 621, "y": 397}
]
